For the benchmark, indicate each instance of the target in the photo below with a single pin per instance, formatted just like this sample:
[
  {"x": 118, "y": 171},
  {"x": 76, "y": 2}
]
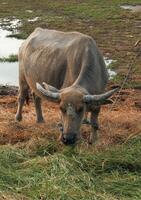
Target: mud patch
[
  {"x": 132, "y": 8},
  {"x": 33, "y": 20},
  {"x": 29, "y": 11},
  {"x": 7, "y": 90}
]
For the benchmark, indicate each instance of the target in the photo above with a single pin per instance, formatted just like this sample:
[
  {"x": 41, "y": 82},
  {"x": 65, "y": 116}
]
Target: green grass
[
  {"x": 11, "y": 58},
  {"x": 113, "y": 173},
  {"x": 69, "y": 15},
  {"x": 114, "y": 29}
]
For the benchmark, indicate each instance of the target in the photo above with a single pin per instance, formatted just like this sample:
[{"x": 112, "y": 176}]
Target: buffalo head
[{"x": 73, "y": 103}]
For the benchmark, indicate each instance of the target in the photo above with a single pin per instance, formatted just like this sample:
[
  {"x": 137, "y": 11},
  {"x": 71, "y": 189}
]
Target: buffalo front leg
[
  {"x": 37, "y": 102},
  {"x": 23, "y": 95},
  {"x": 94, "y": 125}
]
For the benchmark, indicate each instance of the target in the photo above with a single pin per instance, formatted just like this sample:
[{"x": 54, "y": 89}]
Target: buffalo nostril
[
  {"x": 64, "y": 139},
  {"x": 68, "y": 140}
]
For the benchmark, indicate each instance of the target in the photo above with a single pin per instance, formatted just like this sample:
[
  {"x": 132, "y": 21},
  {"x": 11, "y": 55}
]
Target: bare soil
[{"x": 117, "y": 123}]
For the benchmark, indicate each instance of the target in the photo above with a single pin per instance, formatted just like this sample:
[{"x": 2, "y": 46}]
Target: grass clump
[
  {"x": 11, "y": 58},
  {"x": 18, "y": 35},
  {"x": 113, "y": 173},
  {"x": 41, "y": 147}
]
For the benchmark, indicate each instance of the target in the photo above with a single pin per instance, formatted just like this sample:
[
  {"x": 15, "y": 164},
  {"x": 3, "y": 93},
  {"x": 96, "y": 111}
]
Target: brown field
[{"x": 116, "y": 124}]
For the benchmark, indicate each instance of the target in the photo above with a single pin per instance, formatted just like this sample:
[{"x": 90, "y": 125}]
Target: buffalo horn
[
  {"x": 47, "y": 93},
  {"x": 99, "y": 97}
]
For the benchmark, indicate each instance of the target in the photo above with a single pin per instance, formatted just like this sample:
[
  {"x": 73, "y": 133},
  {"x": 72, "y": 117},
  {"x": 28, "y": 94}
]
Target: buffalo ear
[
  {"x": 50, "y": 95},
  {"x": 104, "y": 102},
  {"x": 50, "y": 87}
]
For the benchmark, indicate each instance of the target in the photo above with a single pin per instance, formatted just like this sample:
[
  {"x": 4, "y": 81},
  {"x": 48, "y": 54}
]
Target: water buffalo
[{"x": 66, "y": 67}]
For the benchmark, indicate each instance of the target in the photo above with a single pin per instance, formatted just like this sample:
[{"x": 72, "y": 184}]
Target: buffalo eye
[
  {"x": 62, "y": 109},
  {"x": 79, "y": 110}
]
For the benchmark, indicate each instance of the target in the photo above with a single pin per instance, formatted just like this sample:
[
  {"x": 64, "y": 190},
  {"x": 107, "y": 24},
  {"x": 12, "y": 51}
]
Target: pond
[{"x": 8, "y": 45}]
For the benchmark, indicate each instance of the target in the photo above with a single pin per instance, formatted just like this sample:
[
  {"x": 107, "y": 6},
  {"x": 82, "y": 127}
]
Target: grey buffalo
[{"x": 68, "y": 68}]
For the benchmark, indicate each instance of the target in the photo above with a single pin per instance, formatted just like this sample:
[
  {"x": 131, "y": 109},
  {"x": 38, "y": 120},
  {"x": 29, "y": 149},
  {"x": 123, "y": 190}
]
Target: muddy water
[{"x": 111, "y": 72}]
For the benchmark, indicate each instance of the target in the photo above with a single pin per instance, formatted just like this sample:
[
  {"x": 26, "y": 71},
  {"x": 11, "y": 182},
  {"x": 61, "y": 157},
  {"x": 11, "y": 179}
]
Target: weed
[
  {"x": 110, "y": 174},
  {"x": 11, "y": 58}
]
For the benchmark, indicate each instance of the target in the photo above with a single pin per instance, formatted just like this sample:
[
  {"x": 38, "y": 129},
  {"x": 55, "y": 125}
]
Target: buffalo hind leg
[
  {"x": 94, "y": 125},
  {"x": 37, "y": 102},
  {"x": 23, "y": 95}
]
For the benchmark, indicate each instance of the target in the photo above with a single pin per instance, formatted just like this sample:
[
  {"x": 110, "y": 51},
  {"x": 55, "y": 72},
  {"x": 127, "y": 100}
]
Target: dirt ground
[{"x": 117, "y": 122}]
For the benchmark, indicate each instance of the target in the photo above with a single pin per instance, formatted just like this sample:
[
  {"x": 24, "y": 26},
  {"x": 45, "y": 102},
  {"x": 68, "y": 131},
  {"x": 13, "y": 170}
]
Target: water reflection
[
  {"x": 8, "y": 45},
  {"x": 108, "y": 62},
  {"x": 9, "y": 73}
]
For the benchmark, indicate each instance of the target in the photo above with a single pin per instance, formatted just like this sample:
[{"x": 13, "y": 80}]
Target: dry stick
[
  {"x": 122, "y": 86},
  {"x": 125, "y": 80},
  {"x": 127, "y": 75}
]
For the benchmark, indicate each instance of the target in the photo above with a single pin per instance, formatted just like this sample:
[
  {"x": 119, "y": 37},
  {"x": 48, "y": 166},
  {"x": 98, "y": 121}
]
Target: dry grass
[
  {"x": 37, "y": 164},
  {"x": 115, "y": 126},
  {"x": 7, "y": 196},
  {"x": 123, "y": 121}
]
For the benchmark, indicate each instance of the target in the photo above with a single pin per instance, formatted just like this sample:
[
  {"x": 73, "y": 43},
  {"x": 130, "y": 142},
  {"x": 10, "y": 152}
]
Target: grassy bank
[
  {"x": 11, "y": 58},
  {"x": 114, "y": 173},
  {"x": 114, "y": 29}
]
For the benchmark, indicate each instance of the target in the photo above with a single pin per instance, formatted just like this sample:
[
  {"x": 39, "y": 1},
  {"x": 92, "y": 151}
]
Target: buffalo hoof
[
  {"x": 40, "y": 121},
  {"x": 93, "y": 138},
  {"x": 91, "y": 142},
  {"x": 18, "y": 118}
]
